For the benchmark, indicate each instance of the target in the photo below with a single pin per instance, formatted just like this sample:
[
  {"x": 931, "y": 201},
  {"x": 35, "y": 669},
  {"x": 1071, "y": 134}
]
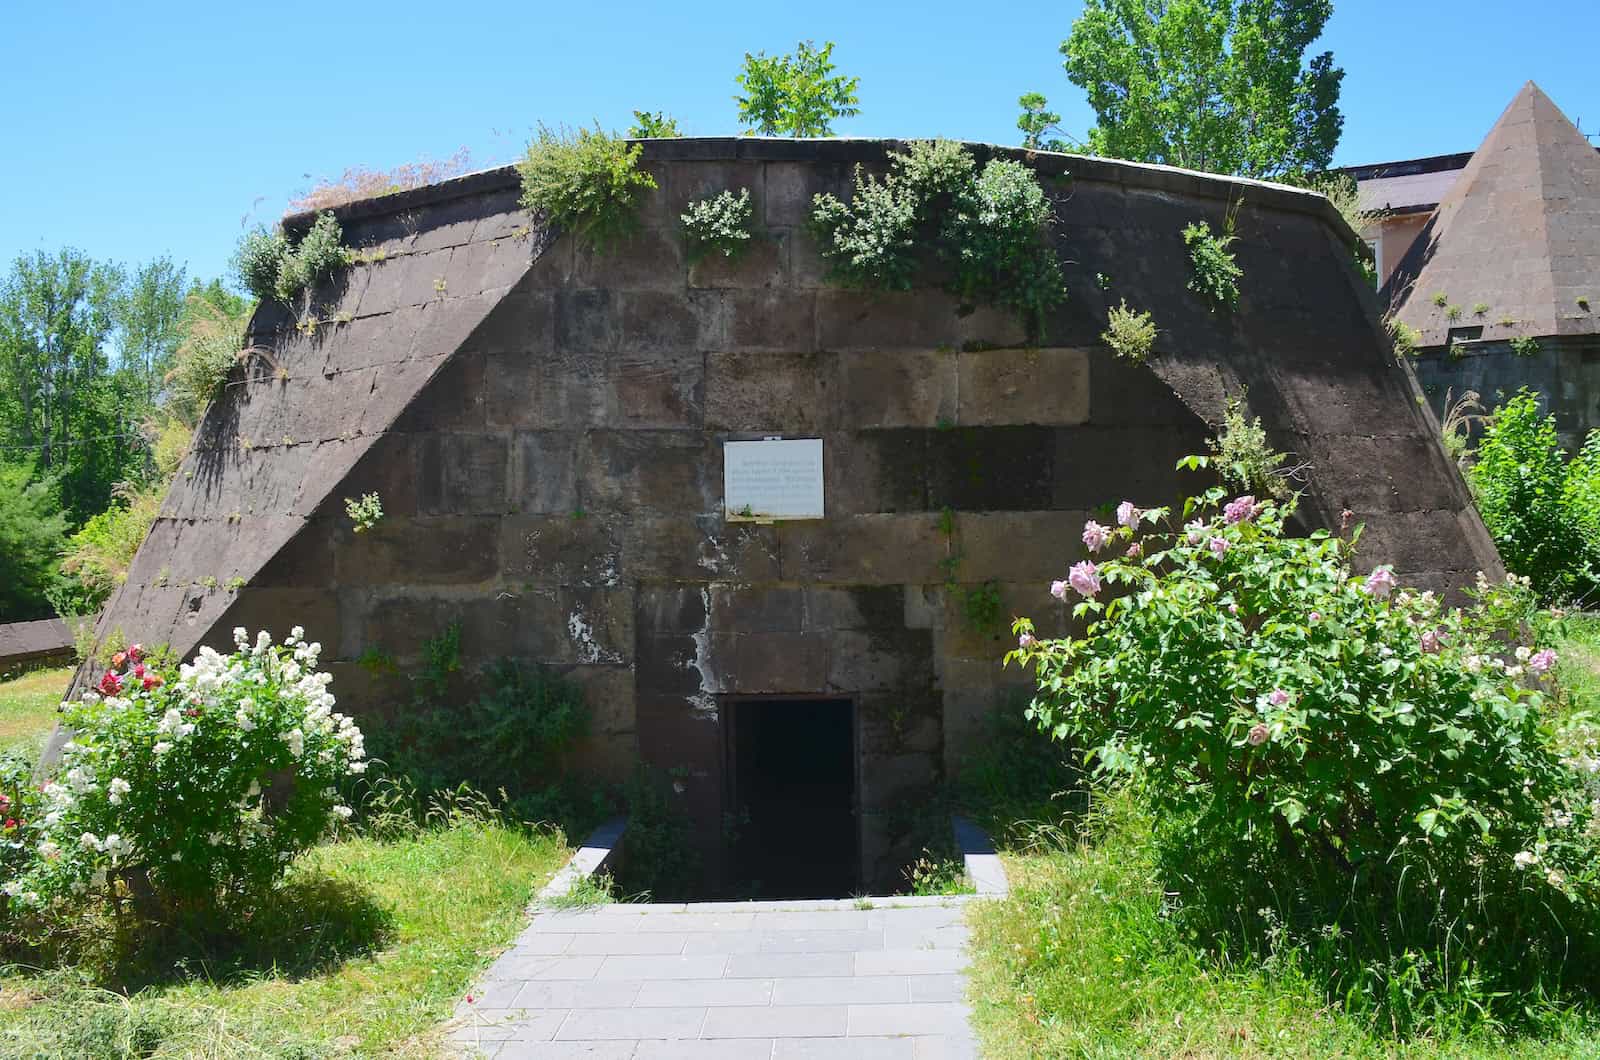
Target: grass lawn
[
  {"x": 375, "y": 943},
  {"x": 28, "y": 706},
  {"x": 1079, "y": 960}
]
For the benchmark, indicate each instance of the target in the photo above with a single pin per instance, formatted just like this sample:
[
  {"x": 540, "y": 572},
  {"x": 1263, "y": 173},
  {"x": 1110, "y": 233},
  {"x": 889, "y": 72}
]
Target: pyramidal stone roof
[{"x": 1519, "y": 231}]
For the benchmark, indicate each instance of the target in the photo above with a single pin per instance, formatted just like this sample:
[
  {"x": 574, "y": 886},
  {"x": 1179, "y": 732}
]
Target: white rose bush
[
  {"x": 1327, "y": 744},
  {"x": 189, "y": 789}
]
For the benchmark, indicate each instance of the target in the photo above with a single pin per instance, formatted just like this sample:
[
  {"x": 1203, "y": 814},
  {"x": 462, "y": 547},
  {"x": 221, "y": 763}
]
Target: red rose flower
[
  {"x": 153, "y": 681},
  {"x": 138, "y": 669},
  {"x": 10, "y": 823},
  {"x": 110, "y": 684},
  {"x": 136, "y": 652}
]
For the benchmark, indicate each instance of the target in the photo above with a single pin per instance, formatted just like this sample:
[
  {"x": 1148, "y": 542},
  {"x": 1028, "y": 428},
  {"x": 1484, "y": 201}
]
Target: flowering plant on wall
[
  {"x": 191, "y": 787},
  {"x": 1279, "y": 704}
]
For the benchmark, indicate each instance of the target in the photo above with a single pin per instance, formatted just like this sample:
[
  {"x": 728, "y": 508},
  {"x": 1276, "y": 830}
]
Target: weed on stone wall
[
  {"x": 268, "y": 265},
  {"x": 1129, "y": 333},
  {"x": 1215, "y": 274},
  {"x": 1525, "y": 346},
  {"x": 717, "y": 225},
  {"x": 1244, "y": 458},
  {"x": 585, "y": 180},
  {"x": 512, "y": 738},
  {"x": 1405, "y": 338},
  {"x": 984, "y": 231}
]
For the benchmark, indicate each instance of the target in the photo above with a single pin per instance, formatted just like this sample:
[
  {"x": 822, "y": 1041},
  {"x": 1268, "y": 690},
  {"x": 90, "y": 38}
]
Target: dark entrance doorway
[{"x": 791, "y": 772}]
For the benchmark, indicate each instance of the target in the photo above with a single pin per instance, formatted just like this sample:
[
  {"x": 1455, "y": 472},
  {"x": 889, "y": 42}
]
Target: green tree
[
  {"x": 1215, "y": 85},
  {"x": 32, "y": 532},
  {"x": 1036, "y": 121},
  {"x": 653, "y": 125},
  {"x": 148, "y": 315},
  {"x": 62, "y": 400},
  {"x": 795, "y": 95}
]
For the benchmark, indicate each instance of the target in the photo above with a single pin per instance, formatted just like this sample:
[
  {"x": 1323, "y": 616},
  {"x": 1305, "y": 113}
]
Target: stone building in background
[
  {"x": 1493, "y": 259},
  {"x": 548, "y": 426}
]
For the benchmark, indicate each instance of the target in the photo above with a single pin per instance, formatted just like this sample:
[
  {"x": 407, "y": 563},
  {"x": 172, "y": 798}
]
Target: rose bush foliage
[
  {"x": 1280, "y": 704},
  {"x": 194, "y": 787}
]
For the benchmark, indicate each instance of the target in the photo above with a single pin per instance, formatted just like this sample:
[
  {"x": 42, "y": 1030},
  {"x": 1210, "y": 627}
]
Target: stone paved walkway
[{"x": 745, "y": 980}]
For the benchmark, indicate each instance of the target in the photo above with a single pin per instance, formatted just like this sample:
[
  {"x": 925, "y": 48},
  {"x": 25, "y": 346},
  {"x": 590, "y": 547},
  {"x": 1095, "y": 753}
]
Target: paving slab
[{"x": 813, "y": 980}]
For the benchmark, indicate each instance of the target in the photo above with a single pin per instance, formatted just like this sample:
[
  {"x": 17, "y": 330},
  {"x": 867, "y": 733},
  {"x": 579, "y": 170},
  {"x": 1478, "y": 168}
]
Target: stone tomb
[{"x": 547, "y": 427}]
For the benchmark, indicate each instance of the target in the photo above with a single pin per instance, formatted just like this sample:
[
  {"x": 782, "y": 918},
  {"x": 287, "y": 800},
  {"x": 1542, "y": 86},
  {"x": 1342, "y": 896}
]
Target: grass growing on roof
[
  {"x": 28, "y": 706},
  {"x": 376, "y": 942}
]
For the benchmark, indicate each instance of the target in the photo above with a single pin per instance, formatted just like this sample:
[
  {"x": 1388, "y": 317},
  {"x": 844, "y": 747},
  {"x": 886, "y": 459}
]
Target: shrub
[
  {"x": 1322, "y": 744},
  {"x": 191, "y": 790},
  {"x": 587, "y": 181},
  {"x": 986, "y": 231},
  {"x": 1215, "y": 274},
  {"x": 1525, "y": 346},
  {"x": 365, "y": 512},
  {"x": 1245, "y": 459},
  {"x": 97, "y": 557},
  {"x": 513, "y": 738},
  {"x": 1129, "y": 333},
  {"x": 1534, "y": 502},
  {"x": 718, "y": 225},
  {"x": 213, "y": 336},
  {"x": 32, "y": 532},
  {"x": 269, "y": 266}
]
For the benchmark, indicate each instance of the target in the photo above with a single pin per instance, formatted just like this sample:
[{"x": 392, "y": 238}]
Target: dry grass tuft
[{"x": 360, "y": 182}]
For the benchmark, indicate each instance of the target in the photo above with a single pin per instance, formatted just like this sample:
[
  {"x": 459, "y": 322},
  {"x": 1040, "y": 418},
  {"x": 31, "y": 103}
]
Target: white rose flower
[{"x": 1525, "y": 859}]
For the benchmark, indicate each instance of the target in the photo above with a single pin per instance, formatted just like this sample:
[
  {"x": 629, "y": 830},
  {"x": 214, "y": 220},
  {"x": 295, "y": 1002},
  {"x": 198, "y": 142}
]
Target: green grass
[
  {"x": 28, "y": 707},
  {"x": 374, "y": 944},
  {"x": 1082, "y": 959}
]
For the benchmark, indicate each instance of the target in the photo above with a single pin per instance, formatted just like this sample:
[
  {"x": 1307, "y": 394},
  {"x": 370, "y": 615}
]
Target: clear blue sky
[{"x": 134, "y": 130}]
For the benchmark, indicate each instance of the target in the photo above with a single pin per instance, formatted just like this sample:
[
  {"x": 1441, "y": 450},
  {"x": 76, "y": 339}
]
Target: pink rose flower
[
  {"x": 1058, "y": 589},
  {"x": 1128, "y": 515},
  {"x": 1380, "y": 583},
  {"x": 1240, "y": 509},
  {"x": 1346, "y": 517},
  {"x": 1135, "y": 550},
  {"x": 1085, "y": 577},
  {"x": 1218, "y": 547},
  {"x": 1259, "y": 734},
  {"x": 1196, "y": 531},
  {"x": 1278, "y": 697},
  {"x": 1431, "y": 641},
  {"x": 1095, "y": 536},
  {"x": 1026, "y": 641},
  {"x": 1316, "y": 616},
  {"x": 1233, "y": 609},
  {"x": 1542, "y": 661}
]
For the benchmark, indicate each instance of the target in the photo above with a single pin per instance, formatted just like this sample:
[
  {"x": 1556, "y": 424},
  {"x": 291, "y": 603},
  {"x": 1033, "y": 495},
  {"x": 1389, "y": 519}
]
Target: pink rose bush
[
  {"x": 196, "y": 787},
  {"x": 1269, "y": 697}
]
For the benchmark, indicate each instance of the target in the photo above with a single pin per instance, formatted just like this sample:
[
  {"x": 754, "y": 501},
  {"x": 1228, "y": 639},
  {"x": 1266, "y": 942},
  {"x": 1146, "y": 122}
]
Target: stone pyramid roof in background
[{"x": 1519, "y": 231}]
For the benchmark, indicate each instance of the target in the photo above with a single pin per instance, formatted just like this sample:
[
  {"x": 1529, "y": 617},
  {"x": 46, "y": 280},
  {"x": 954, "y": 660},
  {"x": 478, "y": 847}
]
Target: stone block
[
  {"x": 778, "y": 319},
  {"x": 659, "y": 390},
  {"x": 388, "y": 469},
  {"x": 912, "y": 388},
  {"x": 990, "y": 326},
  {"x": 674, "y": 667},
  {"x": 587, "y": 320},
  {"x": 778, "y": 393},
  {"x": 305, "y": 562},
  {"x": 1143, "y": 471},
  {"x": 478, "y": 267},
  {"x": 863, "y": 550},
  {"x": 672, "y": 609},
  {"x": 599, "y": 624},
  {"x": 547, "y": 391},
  {"x": 991, "y": 468},
  {"x": 660, "y": 471},
  {"x": 544, "y": 473},
  {"x": 1049, "y": 387},
  {"x": 688, "y": 182},
  {"x": 649, "y": 259},
  {"x": 890, "y": 778},
  {"x": 912, "y": 320},
  {"x": 791, "y": 186},
  {"x": 524, "y": 322},
  {"x": 757, "y": 610},
  {"x": 561, "y": 550},
  {"x": 871, "y": 660},
  {"x": 776, "y": 663},
  {"x": 462, "y": 474},
  {"x": 422, "y": 551},
  {"x": 876, "y": 471},
  {"x": 1018, "y": 546},
  {"x": 1124, "y": 394},
  {"x": 673, "y": 320},
  {"x": 762, "y": 263},
  {"x": 854, "y": 607}
]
